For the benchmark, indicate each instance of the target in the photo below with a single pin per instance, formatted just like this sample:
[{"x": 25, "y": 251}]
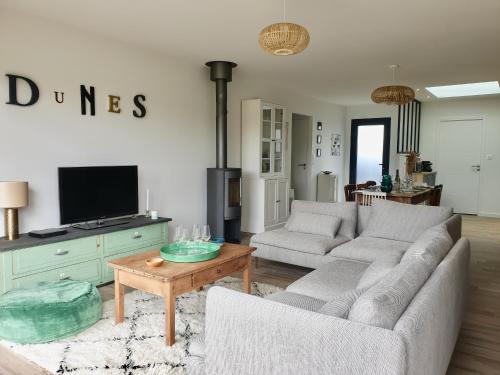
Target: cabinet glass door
[
  {"x": 278, "y": 140},
  {"x": 266, "y": 142}
]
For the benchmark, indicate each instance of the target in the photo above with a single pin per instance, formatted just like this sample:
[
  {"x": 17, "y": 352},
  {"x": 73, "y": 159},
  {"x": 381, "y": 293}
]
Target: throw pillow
[
  {"x": 341, "y": 304},
  {"x": 306, "y": 222},
  {"x": 383, "y": 304},
  {"x": 431, "y": 247},
  {"x": 403, "y": 222},
  {"x": 375, "y": 272}
]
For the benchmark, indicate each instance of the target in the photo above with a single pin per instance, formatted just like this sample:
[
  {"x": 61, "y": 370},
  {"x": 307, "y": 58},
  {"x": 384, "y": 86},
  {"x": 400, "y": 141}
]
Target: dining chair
[
  {"x": 367, "y": 197},
  {"x": 348, "y": 192},
  {"x": 436, "y": 192}
]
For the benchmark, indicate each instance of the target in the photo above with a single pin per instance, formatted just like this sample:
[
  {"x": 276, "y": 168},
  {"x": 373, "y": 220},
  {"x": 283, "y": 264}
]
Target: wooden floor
[{"x": 478, "y": 348}]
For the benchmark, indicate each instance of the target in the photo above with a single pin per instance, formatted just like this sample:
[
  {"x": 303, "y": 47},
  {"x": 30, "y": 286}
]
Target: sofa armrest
[{"x": 250, "y": 335}]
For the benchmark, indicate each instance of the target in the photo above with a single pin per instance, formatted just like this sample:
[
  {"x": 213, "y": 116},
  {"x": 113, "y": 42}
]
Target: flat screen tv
[{"x": 94, "y": 193}]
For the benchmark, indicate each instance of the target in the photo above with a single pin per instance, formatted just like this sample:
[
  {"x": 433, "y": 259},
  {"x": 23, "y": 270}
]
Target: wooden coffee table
[{"x": 172, "y": 279}]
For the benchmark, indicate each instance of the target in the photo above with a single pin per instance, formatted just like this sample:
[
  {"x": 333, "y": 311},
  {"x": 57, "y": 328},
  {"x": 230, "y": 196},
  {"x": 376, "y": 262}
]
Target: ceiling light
[
  {"x": 468, "y": 89},
  {"x": 284, "y": 38},
  {"x": 394, "y": 94}
]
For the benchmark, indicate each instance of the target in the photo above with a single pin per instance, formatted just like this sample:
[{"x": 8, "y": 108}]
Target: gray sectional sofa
[{"x": 387, "y": 296}]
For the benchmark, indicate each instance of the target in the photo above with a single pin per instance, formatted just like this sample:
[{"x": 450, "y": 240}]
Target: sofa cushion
[
  {"x": 385, "y": 302},
  {"x": 403, "y": 222},
  {"x": 375, "y": 272},
  {"x": 371, "y": 249},
  {"x": 304, "y": 242},
  {"x": 364, "y": 213},
  {"x": 431, "y": 247},
  {"x": 330, "y": 280},
  {"x": 297, "y": 300},
  {"x": 340, "y": 305},
  {"x": 307, "y": 222},
  {"x": 346, "y": 211}
]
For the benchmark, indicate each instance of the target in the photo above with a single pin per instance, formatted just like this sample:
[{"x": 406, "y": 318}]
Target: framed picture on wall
[
  {"x": 336, "y": 144},
  {"x": 318, "y": 152},
  {"x": 319, "y": 126},
  {"x": 318, "y": 139}
]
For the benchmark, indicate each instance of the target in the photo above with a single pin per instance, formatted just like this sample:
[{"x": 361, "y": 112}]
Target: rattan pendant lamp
[
  {"x": 284, "y": 38},
  {"x": 395, "y": 94}
]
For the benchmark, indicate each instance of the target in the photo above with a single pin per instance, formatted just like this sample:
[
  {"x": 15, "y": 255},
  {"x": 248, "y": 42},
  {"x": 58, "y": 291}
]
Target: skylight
[{"x": 468, "y": 89}]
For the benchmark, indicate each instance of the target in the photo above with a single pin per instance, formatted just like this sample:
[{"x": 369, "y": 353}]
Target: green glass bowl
[{"x": 190, "y": 252}]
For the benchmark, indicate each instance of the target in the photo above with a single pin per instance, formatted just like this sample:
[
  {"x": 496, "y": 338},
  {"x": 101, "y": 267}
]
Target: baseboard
[{"x": 489, "y": 214}]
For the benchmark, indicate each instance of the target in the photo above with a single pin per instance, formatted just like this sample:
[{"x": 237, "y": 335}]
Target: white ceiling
[{"x": 436, "y": 42}]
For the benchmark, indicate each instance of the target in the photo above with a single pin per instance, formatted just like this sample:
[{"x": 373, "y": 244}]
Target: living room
[{"x": 92, "y": 84}]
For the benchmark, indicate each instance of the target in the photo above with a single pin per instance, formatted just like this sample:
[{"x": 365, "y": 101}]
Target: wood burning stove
[{"x": 223, "y": 184}]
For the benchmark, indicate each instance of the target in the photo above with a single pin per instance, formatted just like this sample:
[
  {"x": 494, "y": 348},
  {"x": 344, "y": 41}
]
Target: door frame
[
  {"x": 355, "y": 124},
  {"x": 309, "y": 147}
]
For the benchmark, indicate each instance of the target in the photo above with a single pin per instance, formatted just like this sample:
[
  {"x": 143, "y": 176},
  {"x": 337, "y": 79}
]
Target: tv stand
[{"x": 102, "y": 224}]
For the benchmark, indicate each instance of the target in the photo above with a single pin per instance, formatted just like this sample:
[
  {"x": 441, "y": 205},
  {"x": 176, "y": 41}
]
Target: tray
[{"x": 191, "y": 252}]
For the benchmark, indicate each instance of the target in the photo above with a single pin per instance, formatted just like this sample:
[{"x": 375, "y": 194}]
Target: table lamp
[{"x": 13, "y": 195}]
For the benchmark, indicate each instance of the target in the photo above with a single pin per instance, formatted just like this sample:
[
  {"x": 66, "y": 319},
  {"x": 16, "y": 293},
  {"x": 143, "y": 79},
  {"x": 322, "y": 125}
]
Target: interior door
[
  {"x": 370, "y": 146},
  {"x": 458, "y": 164},
  {"x": 301, "y": 145}
]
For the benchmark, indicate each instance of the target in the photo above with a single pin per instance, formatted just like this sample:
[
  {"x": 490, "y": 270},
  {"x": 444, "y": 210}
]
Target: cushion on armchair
[
  {"x": 49, "y": 311},
  {"x": 307, "y": 222}
]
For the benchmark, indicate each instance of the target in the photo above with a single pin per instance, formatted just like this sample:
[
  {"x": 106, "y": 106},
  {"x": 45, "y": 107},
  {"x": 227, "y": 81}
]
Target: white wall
[
  {"x": 373, "y": 111},
  {"x": 487, "y": 108},
  {"x": 173, "y": 145}
]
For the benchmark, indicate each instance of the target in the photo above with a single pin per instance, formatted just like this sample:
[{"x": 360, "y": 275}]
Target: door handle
[
  {"x": 304, "y": 165},
  {"x": 477, "y": 167}
]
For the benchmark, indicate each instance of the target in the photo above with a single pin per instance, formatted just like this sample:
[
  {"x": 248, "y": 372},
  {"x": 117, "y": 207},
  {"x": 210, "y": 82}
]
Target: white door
[
  {"x": 282, "y": 201},
  {"x": 301, "y": 155},
  {"x": 270, "y": 202},
  {"x": 458, "y": 164}
]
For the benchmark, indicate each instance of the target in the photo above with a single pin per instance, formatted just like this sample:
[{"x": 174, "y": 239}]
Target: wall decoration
[
  {"x": 13, "y": 100},
  {"x": 318, "y": 152},
  {"x": 61, "y": 99},
  {"x": 318, "y": 139},
  {"x": 336, "y": 144},
  {"x": 87, "y": 97},
  {"x": 319, "y": 126}
]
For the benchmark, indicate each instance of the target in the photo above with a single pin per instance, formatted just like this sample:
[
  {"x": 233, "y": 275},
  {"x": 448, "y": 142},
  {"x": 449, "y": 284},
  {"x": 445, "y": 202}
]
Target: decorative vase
[{"x": 386, "y": 185}]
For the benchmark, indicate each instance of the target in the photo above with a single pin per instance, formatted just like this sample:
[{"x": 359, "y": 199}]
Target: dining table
[{"x": 416, "y": 196}]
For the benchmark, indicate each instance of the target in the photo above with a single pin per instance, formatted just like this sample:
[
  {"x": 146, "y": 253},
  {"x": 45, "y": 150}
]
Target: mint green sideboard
[{"x": 83, "y": 258}]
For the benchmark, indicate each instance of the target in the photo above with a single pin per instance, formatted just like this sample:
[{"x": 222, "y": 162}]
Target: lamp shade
[{"x": 13, "y": 194}]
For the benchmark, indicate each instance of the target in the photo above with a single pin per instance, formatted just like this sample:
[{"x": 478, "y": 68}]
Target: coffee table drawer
[{"x": 217, "y": 272}]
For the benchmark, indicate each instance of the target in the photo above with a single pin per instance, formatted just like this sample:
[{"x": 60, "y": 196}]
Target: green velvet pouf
[{"x": 49, "y": 311}]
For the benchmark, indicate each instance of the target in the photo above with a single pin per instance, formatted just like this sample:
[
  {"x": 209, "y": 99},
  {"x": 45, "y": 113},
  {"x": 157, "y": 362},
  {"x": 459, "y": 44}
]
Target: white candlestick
[{"x": 147, "y": 202}]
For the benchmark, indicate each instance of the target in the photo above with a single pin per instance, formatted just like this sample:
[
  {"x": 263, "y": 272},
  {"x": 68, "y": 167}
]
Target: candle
[{"x": 147, "y": 200}]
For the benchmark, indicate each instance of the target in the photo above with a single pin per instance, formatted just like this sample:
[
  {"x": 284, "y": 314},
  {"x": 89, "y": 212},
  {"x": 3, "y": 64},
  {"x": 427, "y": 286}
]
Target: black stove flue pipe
[{"x": 221, "y": 74}]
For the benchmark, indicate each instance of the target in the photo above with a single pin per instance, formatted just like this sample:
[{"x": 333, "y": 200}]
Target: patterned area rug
[{"x": 135, "y": 347}]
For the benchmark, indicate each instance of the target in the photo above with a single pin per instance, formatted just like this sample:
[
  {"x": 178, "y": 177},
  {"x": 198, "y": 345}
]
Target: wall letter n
[{"x": 87, "y": 96}]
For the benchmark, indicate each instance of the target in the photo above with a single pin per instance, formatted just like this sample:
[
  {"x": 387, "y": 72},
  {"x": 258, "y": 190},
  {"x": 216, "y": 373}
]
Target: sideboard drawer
[
  {"x": 217, "y": 272},
  {"x": 132, "y": 239},
  {"x": 86, "y": 271},
  {"x": 44, "y": 257}
]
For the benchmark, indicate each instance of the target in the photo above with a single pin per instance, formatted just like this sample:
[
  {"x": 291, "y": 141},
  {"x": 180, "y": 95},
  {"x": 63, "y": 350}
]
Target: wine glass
[
  {"x": 196, "y": 233},
  {"x": 178, "y": 234},
  {"x": 205, "y": 234}
]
